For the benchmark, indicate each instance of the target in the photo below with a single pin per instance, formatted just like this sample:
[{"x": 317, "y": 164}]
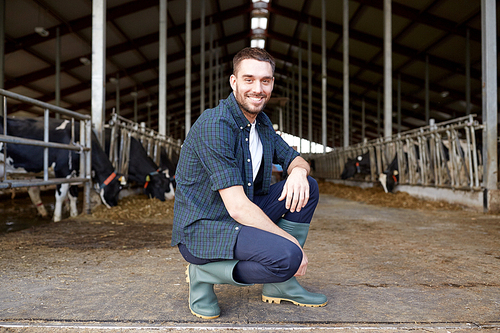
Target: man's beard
[{"x": 252, "y": 112}]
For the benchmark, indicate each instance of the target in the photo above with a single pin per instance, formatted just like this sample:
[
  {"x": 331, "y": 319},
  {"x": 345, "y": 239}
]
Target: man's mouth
[{"x": 256, "y": 98}]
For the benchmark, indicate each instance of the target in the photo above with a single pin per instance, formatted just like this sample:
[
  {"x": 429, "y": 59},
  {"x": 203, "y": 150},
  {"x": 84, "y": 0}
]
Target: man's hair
[{"x": 252, "y": 53}]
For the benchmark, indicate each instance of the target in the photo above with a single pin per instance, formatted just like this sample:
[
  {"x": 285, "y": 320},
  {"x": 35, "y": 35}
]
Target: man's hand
[{"x": 296, "y": 190}]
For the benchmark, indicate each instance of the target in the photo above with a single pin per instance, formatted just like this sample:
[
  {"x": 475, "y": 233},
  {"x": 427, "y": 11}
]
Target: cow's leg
[
  {"x": 34, "y": 193},
  {"x": 61, "y": 194},
  {"x": 73, "y": 198}
]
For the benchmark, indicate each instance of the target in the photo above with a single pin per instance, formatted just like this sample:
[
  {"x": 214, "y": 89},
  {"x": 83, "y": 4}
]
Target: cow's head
[
  {"x": 363, "y": 164},
  {"x": 389, "y": 180},
  {"x": 157, "y": 185},
  {"x": 110, "y": 189},
  {"x": 169, "y": 193},
  {"x": 349, "y": 169}
]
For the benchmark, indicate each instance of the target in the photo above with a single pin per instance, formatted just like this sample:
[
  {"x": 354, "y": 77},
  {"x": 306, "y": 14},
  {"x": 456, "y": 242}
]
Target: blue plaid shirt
[{"x": 214, "y": 156}]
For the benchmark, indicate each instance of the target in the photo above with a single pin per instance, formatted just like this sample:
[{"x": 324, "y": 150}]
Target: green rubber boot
[
  {"x": 291, "y": 290},
  {"x": 201, "y": 278}
]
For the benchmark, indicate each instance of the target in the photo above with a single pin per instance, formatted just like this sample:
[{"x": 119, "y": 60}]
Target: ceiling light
[
  {"x": 445, "y": 93},
  {"x": 85, "y": 61},
  {"x": 260, "y": 4},
  {"x": 41, "y": 31},
  {"x": 260, "y": 43},
  {"x": 259, "y": 23}
]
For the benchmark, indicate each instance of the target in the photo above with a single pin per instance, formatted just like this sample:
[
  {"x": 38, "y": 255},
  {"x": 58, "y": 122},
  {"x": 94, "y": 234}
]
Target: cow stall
[
  {"x": 123, "y": 129},
  {"x": 423, "y": 161},
  {"x": 163, "y": 151},
  {"x": 81, "y": 144}
]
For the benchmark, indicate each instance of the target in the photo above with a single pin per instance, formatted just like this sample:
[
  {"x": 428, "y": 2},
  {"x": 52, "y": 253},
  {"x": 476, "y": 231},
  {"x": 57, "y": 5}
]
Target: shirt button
[
  {"x": 249, "y": 125},
  {"x": 237, "y": 228},
  {"x": 248, "y": 160},
  {"x": 249, "y": 184},
  {"x": 241, "y": 127},
  {"x": 246, "y": 139}
]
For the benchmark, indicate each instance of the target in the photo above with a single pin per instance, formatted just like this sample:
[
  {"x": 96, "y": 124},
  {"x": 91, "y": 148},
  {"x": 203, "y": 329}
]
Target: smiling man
[{"x": 230, "y": 224}]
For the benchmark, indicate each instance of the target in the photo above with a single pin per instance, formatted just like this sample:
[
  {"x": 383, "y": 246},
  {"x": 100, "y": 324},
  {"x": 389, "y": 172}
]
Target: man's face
[{"x": 252, "y": 86}]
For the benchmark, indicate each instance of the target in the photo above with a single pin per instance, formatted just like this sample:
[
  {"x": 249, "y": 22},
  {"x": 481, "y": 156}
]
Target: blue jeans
[{"x": 265, "y": 257}]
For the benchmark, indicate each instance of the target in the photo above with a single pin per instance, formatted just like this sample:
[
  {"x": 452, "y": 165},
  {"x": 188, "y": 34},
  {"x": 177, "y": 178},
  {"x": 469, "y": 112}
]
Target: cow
[
  {"x": 65, "y": 163},
  {"x": 413, "y": 164},
  {"x": 459, "y": 162},
  {"x": 143, "y": 170},
  {"x": 358, "y": 165},
  {"x": 390, "y": 177},
  {"x": 168, "y": 165}
]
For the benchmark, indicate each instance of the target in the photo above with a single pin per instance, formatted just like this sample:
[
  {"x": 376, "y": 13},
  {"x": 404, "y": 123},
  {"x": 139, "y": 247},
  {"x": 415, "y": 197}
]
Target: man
[{"x": 230, "y": 224}]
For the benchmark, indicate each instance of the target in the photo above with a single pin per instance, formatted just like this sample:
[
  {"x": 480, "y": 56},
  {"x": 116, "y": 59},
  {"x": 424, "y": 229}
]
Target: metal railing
[
  {"x": 123, "y": 129},
  {"x": 439, "y": 155},
  {"x": 83, "y": 147}
]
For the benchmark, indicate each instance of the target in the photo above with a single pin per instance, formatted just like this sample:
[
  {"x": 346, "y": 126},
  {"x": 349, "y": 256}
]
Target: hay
[
  {"x": 377, "y": 196},
  {"x": 136, "y": 208},
  {"x": 141, "y": 208}
]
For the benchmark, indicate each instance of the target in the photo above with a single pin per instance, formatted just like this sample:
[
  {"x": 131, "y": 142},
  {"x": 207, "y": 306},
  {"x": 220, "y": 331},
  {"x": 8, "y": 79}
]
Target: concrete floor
[{"x": 382, "y": 269}]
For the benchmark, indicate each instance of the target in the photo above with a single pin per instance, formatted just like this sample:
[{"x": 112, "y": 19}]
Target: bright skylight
[
  {"x": 259, "y": 23},
  {"x": 260, "y": 43}
]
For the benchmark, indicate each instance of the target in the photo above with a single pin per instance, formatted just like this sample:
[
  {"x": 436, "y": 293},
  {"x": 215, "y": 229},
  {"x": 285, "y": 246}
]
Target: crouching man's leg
[
  {"x": 201, "y": 278},
  {"x": 297, "y": 225},
  {"x": 260, "y": 257},
  {"x": 291, "y": 290}
]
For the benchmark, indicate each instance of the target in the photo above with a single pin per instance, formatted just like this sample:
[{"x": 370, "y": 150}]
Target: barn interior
[
  {"x": 436, "y": 60},
  {"x": 347, "y": 72},
  {"x": 386, "y": 261}
]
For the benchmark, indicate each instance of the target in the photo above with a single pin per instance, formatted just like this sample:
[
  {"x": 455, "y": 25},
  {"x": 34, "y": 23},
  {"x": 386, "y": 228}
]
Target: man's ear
[{"x": 232, "y": 81}]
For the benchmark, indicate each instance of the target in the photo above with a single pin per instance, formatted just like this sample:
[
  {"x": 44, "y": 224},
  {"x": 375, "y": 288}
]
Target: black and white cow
[
  {"x": 169, "y": 165},
  {"x": 390, "y": 177},
  {"x": 358, "y": 165},
  {"x": 65, "y": 163},
  {"x": 144, "y": 172}
]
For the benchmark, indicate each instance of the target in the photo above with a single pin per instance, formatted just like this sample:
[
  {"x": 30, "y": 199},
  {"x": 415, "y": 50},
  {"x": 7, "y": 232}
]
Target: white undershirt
[{"x": 255, "y": 150}]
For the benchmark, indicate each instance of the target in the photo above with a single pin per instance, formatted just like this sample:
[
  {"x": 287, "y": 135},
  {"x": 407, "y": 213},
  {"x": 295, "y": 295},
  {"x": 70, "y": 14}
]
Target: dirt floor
[{"x": 387, "y": 262}]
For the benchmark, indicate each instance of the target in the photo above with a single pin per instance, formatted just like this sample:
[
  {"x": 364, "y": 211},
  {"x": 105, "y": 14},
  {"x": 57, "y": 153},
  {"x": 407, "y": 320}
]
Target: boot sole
[
  {"x": 277, "y": 300},
  {"x": 189, "y": 300}
]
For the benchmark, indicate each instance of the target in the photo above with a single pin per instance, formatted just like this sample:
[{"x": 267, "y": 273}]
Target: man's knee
[
  {"x": 291, "y": 262},
  {"x": 313, "y": 187}
]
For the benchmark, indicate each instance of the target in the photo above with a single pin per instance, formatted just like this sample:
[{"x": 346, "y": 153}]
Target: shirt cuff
[{"x": 225, "y": 178}]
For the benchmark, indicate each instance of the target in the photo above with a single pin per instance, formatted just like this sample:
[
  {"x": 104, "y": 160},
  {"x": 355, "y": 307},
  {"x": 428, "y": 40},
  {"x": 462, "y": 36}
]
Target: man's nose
[{"x": 257, "y": 87}]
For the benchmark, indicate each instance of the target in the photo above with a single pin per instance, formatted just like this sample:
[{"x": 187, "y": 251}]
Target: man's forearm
[
  {"x": 247, "y": 213},
  {"x": 299, "y": 162}
]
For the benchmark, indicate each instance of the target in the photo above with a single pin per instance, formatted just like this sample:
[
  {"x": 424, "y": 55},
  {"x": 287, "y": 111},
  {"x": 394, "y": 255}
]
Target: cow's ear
[{"x": 395, "y": 172}]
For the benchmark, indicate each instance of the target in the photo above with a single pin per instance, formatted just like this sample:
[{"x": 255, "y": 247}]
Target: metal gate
[
  {"x": 123, "y": 129},
  {"x": 83, "y": 147},
  {"x": 445, "y": 155}
]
